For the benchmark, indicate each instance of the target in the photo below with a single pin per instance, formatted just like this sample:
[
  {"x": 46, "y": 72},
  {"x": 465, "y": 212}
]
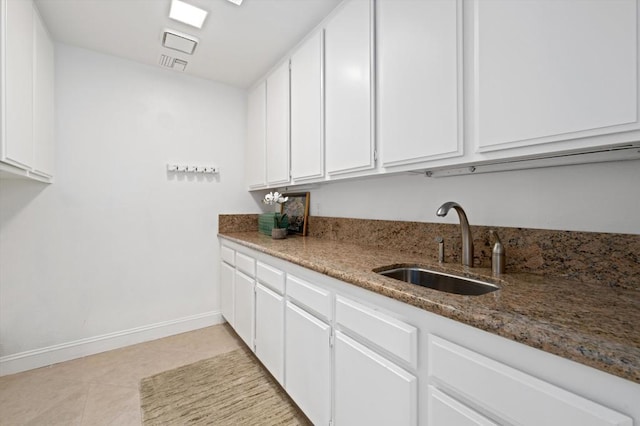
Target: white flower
[{"x": 275, "y": 197}]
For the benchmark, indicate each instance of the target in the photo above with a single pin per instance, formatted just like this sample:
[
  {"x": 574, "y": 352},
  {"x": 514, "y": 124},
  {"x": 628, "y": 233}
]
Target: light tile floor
[{"x": 102, "y": 389}]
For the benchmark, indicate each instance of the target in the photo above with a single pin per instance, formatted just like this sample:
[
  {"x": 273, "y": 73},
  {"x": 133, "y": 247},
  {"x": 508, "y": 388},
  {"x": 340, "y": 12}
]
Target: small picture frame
[{"x": 297, "y": 210}]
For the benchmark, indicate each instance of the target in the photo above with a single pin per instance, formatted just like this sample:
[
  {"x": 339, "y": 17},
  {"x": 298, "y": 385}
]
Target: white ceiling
[{"x": 238, "y": 44}]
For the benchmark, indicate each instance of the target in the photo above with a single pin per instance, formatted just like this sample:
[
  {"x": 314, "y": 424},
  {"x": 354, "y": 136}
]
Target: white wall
[
  {"x": 116, "y": 242},
  {"x": 603, "y": 197}
]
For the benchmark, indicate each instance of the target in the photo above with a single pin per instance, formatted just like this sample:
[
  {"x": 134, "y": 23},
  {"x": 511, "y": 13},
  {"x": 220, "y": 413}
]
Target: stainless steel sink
[{"x": 439, "y": 281}]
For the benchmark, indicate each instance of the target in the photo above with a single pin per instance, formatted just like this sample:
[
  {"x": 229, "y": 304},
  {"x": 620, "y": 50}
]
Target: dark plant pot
[{"x": 279, "y": 233}]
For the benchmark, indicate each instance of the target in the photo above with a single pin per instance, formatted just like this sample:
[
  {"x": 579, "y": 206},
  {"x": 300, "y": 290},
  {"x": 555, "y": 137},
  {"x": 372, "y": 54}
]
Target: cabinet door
[
  {"x": 43, "y": 126},
  {"x": 255, "y": 162},
  {"x": 308, "y": 364},
  {"x": 546, "y": 71},
  {"x": 227, "y": 274},
  {"x": 444, "y": 410},
  {"x": 18, "y": 84},
  {"x": 278, "y": 125},
  {"x": 369, "y": 389},
  {"x": 349, "y": 139},
  {"x": 419, "y": 80},
  {"x": 307, "y": 145},
  {"x": 269, "y": 339},
  {"x": 243, "y": 307}
]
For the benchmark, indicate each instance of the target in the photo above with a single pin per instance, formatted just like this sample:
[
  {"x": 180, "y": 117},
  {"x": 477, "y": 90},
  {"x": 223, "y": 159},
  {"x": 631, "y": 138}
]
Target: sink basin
[{"x": 439, "y": 281}]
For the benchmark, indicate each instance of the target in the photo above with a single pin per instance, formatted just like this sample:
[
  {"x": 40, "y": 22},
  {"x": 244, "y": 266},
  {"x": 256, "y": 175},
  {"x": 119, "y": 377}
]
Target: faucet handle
[
  {"x": 497, "y": 255},
  {"x": 440, "y": 242}
]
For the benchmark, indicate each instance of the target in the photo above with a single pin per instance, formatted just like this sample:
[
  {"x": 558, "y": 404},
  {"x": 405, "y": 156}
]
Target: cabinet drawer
[
  {"x": 228, "y": 255},
  {"x": 309, "y": 296},
  {"x": 395, "y": 336},
  {"x": 444, "y": 410},
  {"x": 271, "y": 277},
  {"x": 509, "y": 394},
  {"x": 246, "y": 264}
]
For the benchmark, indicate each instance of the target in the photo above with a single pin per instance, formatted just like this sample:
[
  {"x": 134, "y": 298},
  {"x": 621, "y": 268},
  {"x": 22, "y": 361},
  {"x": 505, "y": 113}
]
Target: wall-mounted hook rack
[{"x": 184, "y": 168}]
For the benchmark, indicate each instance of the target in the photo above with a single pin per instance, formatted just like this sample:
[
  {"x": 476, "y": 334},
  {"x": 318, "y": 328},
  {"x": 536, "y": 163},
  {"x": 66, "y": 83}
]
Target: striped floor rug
[{"x": 229, "y": 389}]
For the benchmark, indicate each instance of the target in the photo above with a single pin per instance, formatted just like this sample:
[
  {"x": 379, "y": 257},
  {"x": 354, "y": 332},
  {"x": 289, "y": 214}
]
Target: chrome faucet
[{"x": 467, "y": 239}]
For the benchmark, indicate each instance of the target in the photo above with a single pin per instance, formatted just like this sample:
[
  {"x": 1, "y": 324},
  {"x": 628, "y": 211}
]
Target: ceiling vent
[
  {"x": 173, "y": 63},
  {"x": 180, "y": 42}
]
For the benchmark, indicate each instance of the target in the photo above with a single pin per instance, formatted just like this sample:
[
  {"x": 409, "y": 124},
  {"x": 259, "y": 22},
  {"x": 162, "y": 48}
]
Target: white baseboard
[{"x": 42, "y": 357}]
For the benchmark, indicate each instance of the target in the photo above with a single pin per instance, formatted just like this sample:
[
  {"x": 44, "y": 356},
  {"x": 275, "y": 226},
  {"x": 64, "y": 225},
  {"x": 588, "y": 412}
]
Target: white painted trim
[{"x": 36, "y": 358}]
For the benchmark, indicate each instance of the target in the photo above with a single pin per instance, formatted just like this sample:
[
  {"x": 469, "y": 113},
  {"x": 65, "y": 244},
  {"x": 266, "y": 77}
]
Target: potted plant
[{"x": 280, "y": 222}]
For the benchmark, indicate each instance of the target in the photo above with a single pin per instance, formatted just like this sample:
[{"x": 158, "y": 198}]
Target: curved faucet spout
[{"x": 465, "y": 229}]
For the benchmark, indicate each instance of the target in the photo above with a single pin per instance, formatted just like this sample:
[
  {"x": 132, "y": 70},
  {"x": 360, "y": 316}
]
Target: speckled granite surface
[
  {"x": 611, "y": 260},
  {"x": 237, "y": 222},
  {"x": 589, "y": 323}
]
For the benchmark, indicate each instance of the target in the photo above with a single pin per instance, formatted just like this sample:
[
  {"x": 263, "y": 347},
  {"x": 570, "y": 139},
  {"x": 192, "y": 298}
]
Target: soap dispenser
[{"x": 497, "y": 256}]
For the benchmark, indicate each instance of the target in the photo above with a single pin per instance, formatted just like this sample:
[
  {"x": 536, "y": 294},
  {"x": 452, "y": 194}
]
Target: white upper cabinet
[
  {"x": 458, "y": 85},
  {"x": 348, "y": 95},
  {"x": 419, "y": 52},
  {"x": 27, "y": 69},
  {"x": 255, "y": 165},
  {"x": 278, "y": 125},
  {"x": 548, "y": 71},
  {"x": 17, "y": 23},
  {"x": 43, "y": 108},
  {"x": 307, "y": 143}
]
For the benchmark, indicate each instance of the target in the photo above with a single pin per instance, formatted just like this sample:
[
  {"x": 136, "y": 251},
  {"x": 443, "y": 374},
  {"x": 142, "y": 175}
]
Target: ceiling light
[
  {"x": 238, "y": 2},
  {"x": 180, "y": 42},
  {"x": 188, "y": 14}
]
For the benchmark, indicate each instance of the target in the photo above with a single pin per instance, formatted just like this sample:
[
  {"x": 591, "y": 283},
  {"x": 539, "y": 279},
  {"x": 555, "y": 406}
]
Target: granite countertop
[{"x": 590, "y": 324}]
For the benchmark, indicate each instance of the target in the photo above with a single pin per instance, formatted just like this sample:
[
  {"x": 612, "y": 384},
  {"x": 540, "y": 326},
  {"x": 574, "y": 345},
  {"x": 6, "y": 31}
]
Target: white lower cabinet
[
  {"x": 510, "y": 395},
  {"x": 308, "y": 363},
  {"x": 369, "y": 389},
  {"x": 394, "y": 364},
  {"x": 395, "y": 337},
  {"x": 269, "y": 338},
  {"x": 444, "y": 410},
  {"x": 227, "y": 274},
  {"x": 244, "y": 307}
]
